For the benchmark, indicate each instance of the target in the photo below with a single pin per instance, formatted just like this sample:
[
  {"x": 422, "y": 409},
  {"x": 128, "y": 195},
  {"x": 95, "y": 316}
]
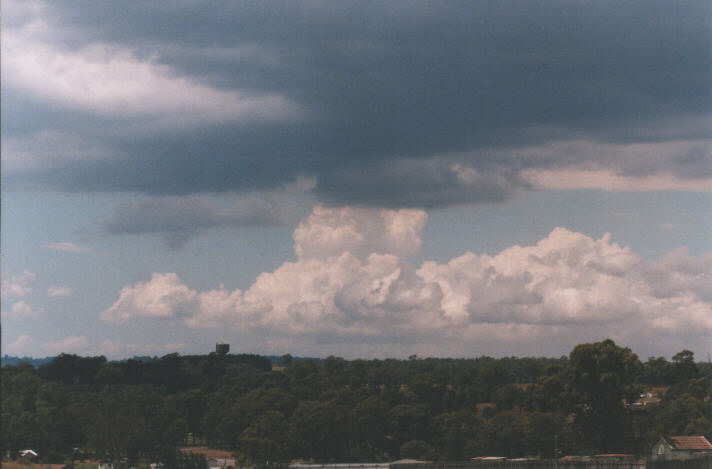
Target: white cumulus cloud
[
  {"x": 164, "y": 296},
  {"x": 18, "y": 285},
  {"x": 21, "y": 310},
  {"x": 352, "y": 282},
  {"x": 332, "y": 231},
  {"x": 20, "y": 346}
]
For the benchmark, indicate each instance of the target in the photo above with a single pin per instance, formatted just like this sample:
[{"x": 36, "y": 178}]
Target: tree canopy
[{"x": 334, "y": 410}]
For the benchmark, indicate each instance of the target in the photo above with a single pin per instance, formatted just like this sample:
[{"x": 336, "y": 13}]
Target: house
[
  {"x": 105, "y": 465},
  {"x": 651, "y": 396},
  {"x": 28, "y": 453},
  {"x": 681, "y": 447}
]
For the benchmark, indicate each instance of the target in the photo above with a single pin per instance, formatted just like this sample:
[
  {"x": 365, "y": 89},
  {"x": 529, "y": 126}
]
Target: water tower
[{"x": 222, "y": 348}]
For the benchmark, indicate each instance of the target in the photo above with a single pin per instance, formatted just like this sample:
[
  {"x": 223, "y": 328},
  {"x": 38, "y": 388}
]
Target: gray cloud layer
[
  {"x": 402, "y": 104},
  {"x": 178, "y": 219}
]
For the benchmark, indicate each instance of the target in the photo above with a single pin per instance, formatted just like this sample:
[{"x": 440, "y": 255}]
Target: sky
[{"x": 373, "y": 180}]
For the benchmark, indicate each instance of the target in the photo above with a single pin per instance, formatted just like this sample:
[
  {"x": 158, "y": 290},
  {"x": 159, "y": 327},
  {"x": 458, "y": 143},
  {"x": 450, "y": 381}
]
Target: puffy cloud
[
  {"x": 352, "y": 284},
  {"x": 566, "y": 277},
  {"x": 18, "y": 285},
  {"x": 20, "y": 346},
  {"x": 330, "y": 232},
  {"x": 679, "y": 272},
  {"x": 54, "y": 292},
  {"x": 21, "y": 310},
  {"x": 164, "y": 296}
]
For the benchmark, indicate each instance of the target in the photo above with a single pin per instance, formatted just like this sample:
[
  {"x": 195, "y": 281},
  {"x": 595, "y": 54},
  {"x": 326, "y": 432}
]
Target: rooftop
[{"x": 690, "y": 442}]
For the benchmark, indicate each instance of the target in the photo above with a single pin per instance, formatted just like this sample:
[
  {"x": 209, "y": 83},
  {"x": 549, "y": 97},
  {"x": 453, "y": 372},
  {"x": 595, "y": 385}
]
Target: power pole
[{"x": 556, "y": 451}]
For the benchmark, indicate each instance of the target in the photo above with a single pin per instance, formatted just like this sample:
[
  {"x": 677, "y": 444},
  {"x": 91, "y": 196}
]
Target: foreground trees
[{"x": 363, "y": 410}]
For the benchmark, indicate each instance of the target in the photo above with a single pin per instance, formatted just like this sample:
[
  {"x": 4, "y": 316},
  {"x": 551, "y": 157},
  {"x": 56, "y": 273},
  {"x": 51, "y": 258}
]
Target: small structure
[
  {"x": 220, "y": 463},
  {"x": 222, "y": 348},
  {"x": 104, "y": 464},
  {"x": 28, "y": 453},
  {"x": 614, "y": 457},
  {"x": 650, "y": 396},
  {"x": 358, "y": 465},
  {"x": 575, "y": 458},
  {"x": 681, "y": 447}
]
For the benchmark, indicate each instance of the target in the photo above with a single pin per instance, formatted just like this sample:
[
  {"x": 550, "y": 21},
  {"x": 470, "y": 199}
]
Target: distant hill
[{"x": 12, "y": 361}]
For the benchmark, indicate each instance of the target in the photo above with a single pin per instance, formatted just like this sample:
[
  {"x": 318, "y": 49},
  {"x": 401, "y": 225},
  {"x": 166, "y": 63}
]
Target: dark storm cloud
[
  {"x": 177, "y": 219},
  {"x": 395, "y": 95},
  {"x": 417, "y": 183}
]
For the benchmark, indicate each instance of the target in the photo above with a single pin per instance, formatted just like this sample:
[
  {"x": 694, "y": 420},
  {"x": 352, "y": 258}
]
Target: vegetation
[{"x": 360, "y": 410}]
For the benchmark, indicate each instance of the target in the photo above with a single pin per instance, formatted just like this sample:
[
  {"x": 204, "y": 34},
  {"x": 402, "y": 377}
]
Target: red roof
[
  {"x": 690, "y": 442},
  {"x": 210, "y": 453}
]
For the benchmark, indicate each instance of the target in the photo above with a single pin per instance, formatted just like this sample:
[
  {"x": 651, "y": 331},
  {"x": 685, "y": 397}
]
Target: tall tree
[
  {"x": 600, "y": 384},
  {"x": 684, "y": 367}
]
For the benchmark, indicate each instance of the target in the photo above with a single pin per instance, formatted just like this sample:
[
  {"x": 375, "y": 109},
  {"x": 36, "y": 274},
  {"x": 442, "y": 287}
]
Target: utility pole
[{"x": 556, "y": 451}]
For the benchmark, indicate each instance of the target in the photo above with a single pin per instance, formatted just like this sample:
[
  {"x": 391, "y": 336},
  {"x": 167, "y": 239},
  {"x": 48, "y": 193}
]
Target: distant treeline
[
  {"x": 12, "y": 360},
  {"x": 334, "y": 410}
]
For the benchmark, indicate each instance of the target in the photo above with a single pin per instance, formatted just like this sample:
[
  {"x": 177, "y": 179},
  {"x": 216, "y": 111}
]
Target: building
[
  {"x": 222, "y": 348},
  {"x": 681, "y": 447}
]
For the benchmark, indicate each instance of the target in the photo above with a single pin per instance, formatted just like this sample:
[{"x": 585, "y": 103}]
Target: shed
[{"x": 681, "y": 447}]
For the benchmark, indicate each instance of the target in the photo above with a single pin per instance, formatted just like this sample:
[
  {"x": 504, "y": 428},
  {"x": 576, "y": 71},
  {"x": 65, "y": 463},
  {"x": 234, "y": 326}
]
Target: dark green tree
[
  {"x": 417, "y": 449},
  {"x": 456, "y": 431},
  {"x": 600, "y": 383},
  {"x": 265, "y": 442},
  {"x": 684, "y": 366}
]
